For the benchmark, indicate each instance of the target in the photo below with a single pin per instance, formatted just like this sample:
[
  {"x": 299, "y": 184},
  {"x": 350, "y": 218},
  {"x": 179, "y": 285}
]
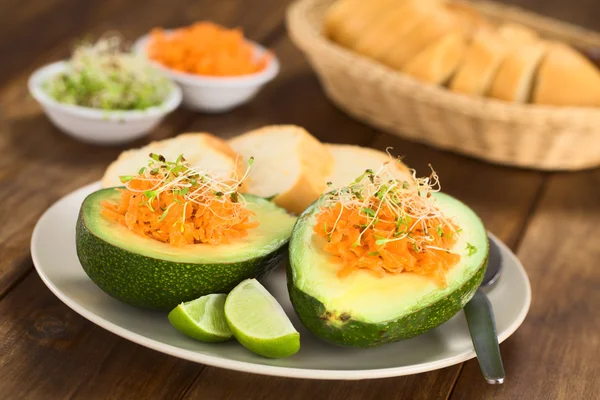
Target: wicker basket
[{"x": 532, "y": 136}]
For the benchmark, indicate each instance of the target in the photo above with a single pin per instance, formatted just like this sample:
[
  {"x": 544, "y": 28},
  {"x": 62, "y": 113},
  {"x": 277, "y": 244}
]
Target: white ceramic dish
[
  {"x": 216, "y": 94},
  {"x": 55, "y": 258},
  {"x": 98, "y": 126}
]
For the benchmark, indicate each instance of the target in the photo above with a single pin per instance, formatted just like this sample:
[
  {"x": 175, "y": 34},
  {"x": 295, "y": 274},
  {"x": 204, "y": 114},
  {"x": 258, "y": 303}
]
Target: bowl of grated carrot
[{"x": 217, "y": 68}]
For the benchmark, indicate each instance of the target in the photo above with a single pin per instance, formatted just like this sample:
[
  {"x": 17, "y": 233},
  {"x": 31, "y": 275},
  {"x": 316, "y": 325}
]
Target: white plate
[{"x": 55, "y": 258}]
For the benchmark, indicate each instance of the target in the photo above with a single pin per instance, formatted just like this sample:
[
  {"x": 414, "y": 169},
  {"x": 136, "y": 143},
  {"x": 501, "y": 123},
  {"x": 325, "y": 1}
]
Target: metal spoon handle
[{"x": 482, "y": 326}]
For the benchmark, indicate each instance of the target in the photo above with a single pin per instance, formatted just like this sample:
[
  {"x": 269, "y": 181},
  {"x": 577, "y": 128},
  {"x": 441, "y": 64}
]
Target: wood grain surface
[{"x": 49, "y": 352}]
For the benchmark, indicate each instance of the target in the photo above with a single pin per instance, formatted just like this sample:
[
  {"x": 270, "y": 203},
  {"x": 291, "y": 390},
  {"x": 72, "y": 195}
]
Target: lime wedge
[
  {"x": 202, "y": 319},
  {"x": 259, "y": 323}
]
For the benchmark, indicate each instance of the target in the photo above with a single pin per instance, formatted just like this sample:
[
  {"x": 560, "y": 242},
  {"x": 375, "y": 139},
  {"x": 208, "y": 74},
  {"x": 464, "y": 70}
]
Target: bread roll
[
  {"x": 201, "y": 150},
  {"x": 351, "y": 161},
  {"x": 347, "y": 20},
  {"x": 438, "y": 62},
  {"x": 289, "y": 165},
  {"x": 481, "y": 62},
  {"x": 439, "y": 22},
  {"x": 337, "y": 13},
  {"x": 517, "y": 34},
  {"x": 515, "y": 77},
  {"x": 381, "y": 38},
  {"x": 471, "y": 20},
  {"x": 567, "y": 78}
]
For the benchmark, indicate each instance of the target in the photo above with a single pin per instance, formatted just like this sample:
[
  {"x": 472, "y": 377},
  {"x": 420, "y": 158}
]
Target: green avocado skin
[
  {"x": 343, "y": 329},
  {"x": 155, "y": 284}
]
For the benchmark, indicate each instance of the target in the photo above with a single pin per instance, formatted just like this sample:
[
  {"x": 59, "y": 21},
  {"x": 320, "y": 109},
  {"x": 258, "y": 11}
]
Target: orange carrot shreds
[
  {"x": 205, "y": 48},
  {"x": 386, "y": 226},
  {"x": 173, "y": 203}
]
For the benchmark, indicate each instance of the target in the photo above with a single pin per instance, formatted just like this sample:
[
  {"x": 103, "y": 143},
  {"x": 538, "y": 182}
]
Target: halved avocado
[
  {"x": 147, "y": 273},
  {"x": 363, "y": 310}
]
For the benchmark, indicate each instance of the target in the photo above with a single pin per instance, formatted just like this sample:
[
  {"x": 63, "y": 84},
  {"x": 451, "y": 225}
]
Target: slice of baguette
[
  {"x": 351, "y": 161},
  {"x": 514, "y": 79},
  {"x": 438, "y": 62},
  {"x": 201, "y": 150},
  {"x": 567, "y": 78},
  {"x": 439, "y": 22},
  {"x": 471, "y": 18},
  {"x": 289, "y": 165},
  {"x": 480, "y": 64},
  {"x": 517, "y": 34},
  {"x": 377, "y": 41},
  {"x": 336, "y": 14},
  {"x": 347, "y": 20}
]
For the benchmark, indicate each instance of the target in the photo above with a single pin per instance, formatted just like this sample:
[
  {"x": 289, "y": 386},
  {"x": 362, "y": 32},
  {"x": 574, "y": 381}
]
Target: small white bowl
[
  {"x": 96, "y": 126},
  {"x": 216, "y": 94}
]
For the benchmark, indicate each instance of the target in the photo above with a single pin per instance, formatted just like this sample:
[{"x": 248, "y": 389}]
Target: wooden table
[{"x": 551, "y": 220}]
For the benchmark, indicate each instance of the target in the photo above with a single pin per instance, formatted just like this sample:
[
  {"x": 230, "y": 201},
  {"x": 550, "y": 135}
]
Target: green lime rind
[
  {"x": 202, "y": 319},
  {"x": 280, "y": 347},
  {"x": 259, "y": 323}
]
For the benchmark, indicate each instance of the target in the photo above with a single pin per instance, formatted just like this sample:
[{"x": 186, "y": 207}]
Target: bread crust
[
  {"x": 316, "y": 163},
  {"x": 402, "y": 170},
  {"x": 516, "y": 74},
  {"x": 567, "y": 78},
  {"x": 517, "y": 34},
  {"x": 439, "y": 22},
  {"x": 382, "y": 37},
  {"x": 438, "y": 62},
  {"x": 336, "y": 14},
  {"x": 206, "y": 139},
  {"x": 349, "y": 19},
  {"x": 481, "y": 62}
]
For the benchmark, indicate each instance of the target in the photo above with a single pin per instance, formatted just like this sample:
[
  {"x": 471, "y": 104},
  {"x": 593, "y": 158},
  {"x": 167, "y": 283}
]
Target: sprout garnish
[
  {"x": 409, "y": 201},
  {"x": 189, "y": 185}
]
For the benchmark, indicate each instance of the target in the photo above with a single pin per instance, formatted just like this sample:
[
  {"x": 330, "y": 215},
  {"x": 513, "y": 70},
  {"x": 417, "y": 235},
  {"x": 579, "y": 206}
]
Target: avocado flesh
[
  {"x": 150, "y": 274},
  {"x": 363, "y": 310}
]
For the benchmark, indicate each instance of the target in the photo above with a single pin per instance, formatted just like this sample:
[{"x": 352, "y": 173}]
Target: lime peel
[
  {"x": 259, "y": 322},
  {"x": 202, "y": 319}
]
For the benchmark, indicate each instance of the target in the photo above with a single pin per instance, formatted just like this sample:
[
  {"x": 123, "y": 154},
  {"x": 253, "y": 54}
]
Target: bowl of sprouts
[{"x": 104, "y": 94}]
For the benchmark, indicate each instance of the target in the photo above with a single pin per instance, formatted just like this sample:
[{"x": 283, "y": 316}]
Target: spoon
[{"x": 480, "y": 318}]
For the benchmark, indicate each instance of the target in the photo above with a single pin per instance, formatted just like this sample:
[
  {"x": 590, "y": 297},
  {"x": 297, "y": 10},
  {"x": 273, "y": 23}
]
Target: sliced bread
[
  {"x": 567, "y": 78},
  {"x": 438, "y": 23},
  {"x": 517, "y": 33},
  {"x": 290, "y": 165},
  {"x": 438, "y": 62},
  {"x": 351, "y": 161},
  {"x": 383, "y": 36},
  {"x": 480, "y": 64},
  {"x": 201, "y": 150},
  {"x": 515, "y": 77},
  {"x": 336, "y": 14},
  {"x": 471, "y": 19},
  {"x": 347, "y": 20}
]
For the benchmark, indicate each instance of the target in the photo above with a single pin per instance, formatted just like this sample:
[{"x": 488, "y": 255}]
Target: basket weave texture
[{"x": 523, "y": 135}]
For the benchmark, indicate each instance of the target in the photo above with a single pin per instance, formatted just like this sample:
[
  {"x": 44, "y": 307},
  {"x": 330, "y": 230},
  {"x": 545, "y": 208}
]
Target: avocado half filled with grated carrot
[
  {"x": 381, "y": 260},
  {"x": 173, "y": 233}
]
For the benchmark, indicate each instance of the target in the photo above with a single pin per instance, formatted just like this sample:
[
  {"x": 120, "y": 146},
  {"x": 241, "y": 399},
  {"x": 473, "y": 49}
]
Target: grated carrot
[
  {"x": 393, "y": 257},
  {"x": 387, "y": 227},
  {"x": 205, "y": 48},
  {"x": 174, "y": 204}
]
